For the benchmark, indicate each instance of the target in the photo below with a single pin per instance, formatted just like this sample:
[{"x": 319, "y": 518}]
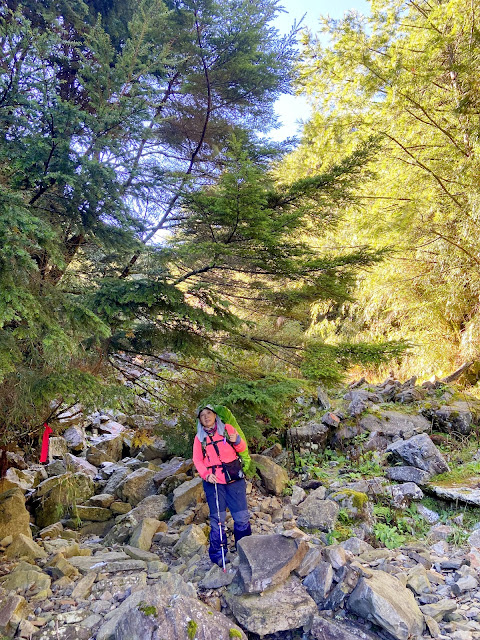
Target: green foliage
[
  {"x": 458, "y": 475},
  {"x": 330, "y": 362},
  {"x": 234, "y": 633},
  {"x": 257, "y": 404},
  {"x": 147, "y": 609},
  {"x": 388, "y": 536},
  {"x": 403, "y": 72},
  {"x": 192, "y": 628}
]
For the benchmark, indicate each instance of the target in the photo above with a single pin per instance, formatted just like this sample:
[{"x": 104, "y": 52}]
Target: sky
[{"x": 293, "y": 110}]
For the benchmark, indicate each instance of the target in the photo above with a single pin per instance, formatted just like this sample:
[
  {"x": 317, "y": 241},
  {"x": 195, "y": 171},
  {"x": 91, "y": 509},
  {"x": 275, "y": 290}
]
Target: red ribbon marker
[{"x": 46, "y": 435}]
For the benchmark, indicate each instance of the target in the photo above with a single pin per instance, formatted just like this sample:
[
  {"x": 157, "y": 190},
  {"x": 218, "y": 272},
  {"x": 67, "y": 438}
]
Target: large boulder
[
  {"x": 281, "y": 608},
  {"x": 24, "y": 547},
  {"x": 154, "y": 450},
  {"x": 456, "y": 493},
  {"x": 394, "y": 425},
  {"x": 319, "y": 582},
  {"x": 12, "y": 610},
  {"x": 143, "y": 533},
  {"x": 419, "y": 452},
  {"x": 167, "y": 610},
  {"x": 384, "y": 600},
  {"x": 137, "y": 486},
  {"x": 274, "y": 477},
  {"x": 266, "y": 561},
  {"x": 312, "y": 432},
  {"x": 188, "y": 494},
  {"x": 316, "y": 513},
  {"x": 75, "y": 438},
  {"x": 408, "y": 474},
  {"x": 173, "y": 467},
  {"x": 455, "y": 418},
  {"x": 151, "y": 507},
  {"x": 25, "y": 480},
  {"x": 55, "y": 497},
  {"x": 191, "y": 541},
  {"x": 75, "y": 464},
  {"x": 14, "y": 517}
]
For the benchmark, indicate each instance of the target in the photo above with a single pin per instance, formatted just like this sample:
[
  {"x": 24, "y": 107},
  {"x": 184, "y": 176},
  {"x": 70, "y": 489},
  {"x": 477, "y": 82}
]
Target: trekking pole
[{"x": 220, "y": 526}]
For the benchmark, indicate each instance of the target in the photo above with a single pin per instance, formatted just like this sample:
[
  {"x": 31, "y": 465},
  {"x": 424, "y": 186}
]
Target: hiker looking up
[{"x": 215, "y": 450}]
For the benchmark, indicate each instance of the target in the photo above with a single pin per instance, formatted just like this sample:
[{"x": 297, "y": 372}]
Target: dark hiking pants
[{"x": 233, "y": 496}]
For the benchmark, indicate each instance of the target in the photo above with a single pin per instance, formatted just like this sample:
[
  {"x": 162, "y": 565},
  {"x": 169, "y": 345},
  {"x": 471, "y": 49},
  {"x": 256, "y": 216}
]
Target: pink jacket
[{"x": 206, "y": 459}]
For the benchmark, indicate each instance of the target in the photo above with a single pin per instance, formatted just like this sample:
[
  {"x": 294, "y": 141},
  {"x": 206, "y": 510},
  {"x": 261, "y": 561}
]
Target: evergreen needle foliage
[{"x": 138, "y": 215}]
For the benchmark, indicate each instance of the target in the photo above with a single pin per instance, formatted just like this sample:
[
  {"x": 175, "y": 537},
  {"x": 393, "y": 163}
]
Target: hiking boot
[{"x": 220, "y": 562}]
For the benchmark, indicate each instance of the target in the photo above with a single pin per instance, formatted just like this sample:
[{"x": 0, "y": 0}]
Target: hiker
[{"x": 215, "y": 450}]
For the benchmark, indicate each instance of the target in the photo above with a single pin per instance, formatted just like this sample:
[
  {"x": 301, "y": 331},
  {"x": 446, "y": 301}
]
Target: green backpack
[{"x": 227, "y": 417}]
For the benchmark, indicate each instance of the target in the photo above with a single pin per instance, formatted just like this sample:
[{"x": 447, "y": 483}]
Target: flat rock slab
[
  {"x": 107, "y": 563},
  {"x": 394, "y": 424},
  {"x": 454, "y": 493},
  {"x": 286, "y": 606},
  {"x": 266, "y": 561}
]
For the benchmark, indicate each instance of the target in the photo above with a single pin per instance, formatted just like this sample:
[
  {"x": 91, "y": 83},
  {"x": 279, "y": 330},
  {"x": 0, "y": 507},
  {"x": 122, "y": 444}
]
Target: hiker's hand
[
  {"x": 232, "y": 437},
  {"x": 211, "y": 478}
]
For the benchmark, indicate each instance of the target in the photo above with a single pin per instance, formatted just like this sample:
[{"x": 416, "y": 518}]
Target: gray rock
[
  {"x": 356, "y": 546},
  {"x": 417, "y": 580},
  {"x": 386, "y": 602},
  {"x": 56, "y": 467},
  {"x": 455, "y": 418},
  {"x": 116, "y": 475},
  {"x": 327, "y": 629},
  {"x": 404, "y": 494},
  {"x": 323, "y": 399},
  {"x": 94, "y": 514},
  {"x": 152, "y": 451},
  {"x": 298, "y": 495},
  {"x": 54, "y": 497},
  {"x": 267, "y": 560},
  {"x": 474, "y": 539},
  {"x": 162, "y": 611},
  {"x": 143, "y": 533},
  {"x": 191, "y": 541},
  {"x": 419, "y": 452},
  {"x": 408, "y": 474},
  {"x": 188, "y": 494},
  {"x": 103, "y": 500},
  {"x": 57, "y": 448},
  {"x": 217, "y": 578},
  {"x": 315, "y": 513},
  {"x": 75, "y": 438},
  {"x": 359, "y": 399},
  {"x": 455, "y": 493},
  {"x": 313, "y": 432},
  {"x": 12, "y": 609},
  {"x": 438, "y": 610},
  {"x": 75, "y": 464},
  {"x": 274, "y": 477},
  {"x": 313, "y": 557},
  {"x": 394, "y": 425},
  {"x": 137, "y": 486},
  {"x": 150, "y": 507},
  {"x": 286, "y": 606},
  {"x": 172, "y": 468},
  {"x": 319, "y": 582}
]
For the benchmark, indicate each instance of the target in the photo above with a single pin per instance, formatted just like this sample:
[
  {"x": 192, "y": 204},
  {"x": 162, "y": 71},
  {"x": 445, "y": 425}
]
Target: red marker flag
[{"x": 45, "y": 437}]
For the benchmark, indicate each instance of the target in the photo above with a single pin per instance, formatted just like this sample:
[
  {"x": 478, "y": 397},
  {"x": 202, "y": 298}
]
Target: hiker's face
[{"x": 207, "y": 418}]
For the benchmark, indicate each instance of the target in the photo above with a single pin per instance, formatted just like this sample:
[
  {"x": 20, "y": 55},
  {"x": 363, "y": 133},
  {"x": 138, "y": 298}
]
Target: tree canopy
[
  {"x": 138, "y": 212},
  {"x": 405, "y": 73}
]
